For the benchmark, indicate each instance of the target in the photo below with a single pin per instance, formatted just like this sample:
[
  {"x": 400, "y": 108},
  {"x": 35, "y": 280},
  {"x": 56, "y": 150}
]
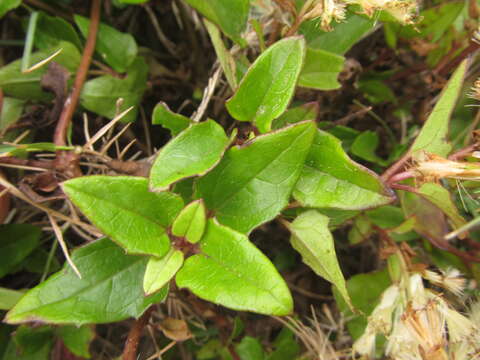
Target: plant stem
[
  {"x": 27, "y": 50},
  {"x": 131, "y": 345},
  {"x": 447, "y": 68},
  {"x": 72, "y": 100}
]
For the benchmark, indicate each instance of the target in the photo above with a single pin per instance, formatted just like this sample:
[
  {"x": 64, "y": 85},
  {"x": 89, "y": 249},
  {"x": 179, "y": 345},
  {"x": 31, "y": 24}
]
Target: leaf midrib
[{"x": 267, "y": 164}]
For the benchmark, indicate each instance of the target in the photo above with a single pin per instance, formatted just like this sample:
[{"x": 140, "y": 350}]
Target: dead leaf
[{"x": 175, "y": 329}]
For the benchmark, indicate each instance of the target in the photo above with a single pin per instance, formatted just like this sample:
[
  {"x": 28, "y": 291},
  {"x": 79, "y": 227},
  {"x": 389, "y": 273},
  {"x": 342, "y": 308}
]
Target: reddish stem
[
  {"x": 462, "y": 153},
  {"x": 404, "y": 188},
  {"x": 392, "y": 170},
  {"x": 401, "y": 176},
  {"x": 71, "y": 103},
  {"x": 447, "y": 68},
  {"x": 131, "y": 345}
]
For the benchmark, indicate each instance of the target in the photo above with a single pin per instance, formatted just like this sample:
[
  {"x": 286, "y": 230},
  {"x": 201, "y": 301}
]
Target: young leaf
[
  {"x": 313, "y": 240},
  {"x": 253, "y": 182},
  {"x": 231, "y": 16},
  {"x": 17, "y": 242},
  {"x": 321, "y": 70},
  {"x": 123, "y": 208},
  {"x": 161, "y": 270},
  {"x": 101, "y": 94},
  {"x": 433, "y": 136},
  {"x": 331, "y": 179},
  {"x": 176, "y": 123},
  {"x": 267, "y": 87},
  {"x": 119, "y": 50},
  {"x": 193, "y": 152},
  {"x": 110, "y": 289},
  {"x": 77, "y": 339},
  {"x": 231, "y": 271},
  {"x": 190, "y": 223}
]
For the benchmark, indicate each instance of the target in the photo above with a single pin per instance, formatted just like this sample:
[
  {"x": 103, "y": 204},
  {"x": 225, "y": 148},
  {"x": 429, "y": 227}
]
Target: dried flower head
[
  {"x": 449, "y": 279},
  {"x": 475, "y": 90},
  {"x": 405, "y": 11},
  {"x": 326, "y": 11},
  {"x": 420, "y": 324},
  {"x": 434, "y": 167}
]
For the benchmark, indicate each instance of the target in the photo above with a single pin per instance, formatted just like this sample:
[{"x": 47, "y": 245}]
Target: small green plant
[{"x": 184, "y": 217}]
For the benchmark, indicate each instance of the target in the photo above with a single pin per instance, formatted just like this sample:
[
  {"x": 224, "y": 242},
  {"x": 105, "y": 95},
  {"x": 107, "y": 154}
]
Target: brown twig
[
  {"x": 448, "y": 67},
  {"x": 131, "y": 345},
  {"x": 1, "y": 100},
  {"x": 71, "y": 103},
  {"x": 43, "y": 164}
]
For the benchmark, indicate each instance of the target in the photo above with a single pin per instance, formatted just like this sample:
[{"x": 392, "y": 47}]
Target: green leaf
[
  {"x": 231, "y": 271},
  {"x": 110, "y": 289},
  {"x": 376, "y": 91},
  {"x": 9, "y": 297},
  {"x": 231, "y": 16},
  {"x": 7, "y": 5},
  {"x": 123, "y": 208},
  {"x": 101, "y": 94},
  {"x": 194, "y": 151},
  {"x": 27, "y": 85},
  {"x": 321, "y": 70},
  {"x": 161, "y": 270},
  {"x": 437, "y": 20},
  {"x": 250, "y": 349},
  {"x": 308, "y": 111},
  {"x": 344, "y": 35},
  {"x": 224, "y": 56},
  {"x": 267, "y": 87},
  {"x": 190, "y": 223},
  {"x": 430, "y": 221},
  {"x": 50, "y": 30},
  {"x": 31, "y": 340},
  {"x": 440, "y": 197},
  {"x": 313, "y": 240},
  {"x": 253, "y": 182},
  {"x": 433, "y": 136},
  {"x": 77, "y": 339},
  {"x": 117, "y": 49},
  {"x": 286, "y": 348},
  {"x": 364, "y": 147},
  {"x": 365, "y": 291},
  {"x": 11, "y": 111},
  {"x": 17, "y": 241},
  {"x": 331, "y": 179},
  {"x": 176, "y": 123}
]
